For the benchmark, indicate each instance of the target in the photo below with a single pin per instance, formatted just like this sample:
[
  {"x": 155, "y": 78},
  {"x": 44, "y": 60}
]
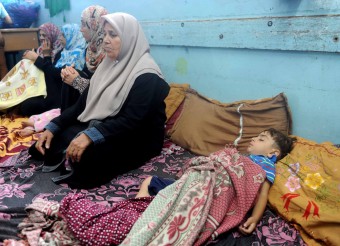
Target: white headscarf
[{"x": 112, "y": 81}]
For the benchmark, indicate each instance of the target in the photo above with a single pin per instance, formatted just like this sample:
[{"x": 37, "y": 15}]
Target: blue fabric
[
  {"x": 158, "y": 184},
  {"x": 3, "y": 12},
  {"x": 95, "y": 135},
  {"x": 74, "y": 50},
  {"x": 22, "y": 13},
  {"x": 52, "y": 127},
  {"x": 267, "y": 164}
]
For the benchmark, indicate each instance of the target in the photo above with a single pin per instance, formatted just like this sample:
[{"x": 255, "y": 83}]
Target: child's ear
[{"x": 274, "y": 152}]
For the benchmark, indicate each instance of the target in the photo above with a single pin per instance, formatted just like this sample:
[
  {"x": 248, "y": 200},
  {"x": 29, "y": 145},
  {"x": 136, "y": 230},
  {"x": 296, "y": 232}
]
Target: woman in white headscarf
[{"x": 118, "y": 122}]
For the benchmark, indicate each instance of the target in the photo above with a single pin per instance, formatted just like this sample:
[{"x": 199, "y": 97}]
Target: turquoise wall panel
[
  {"x": 305, "y": 78},
  {"x": 235, "y": 50},
  {"x": 303, "y": 33}
]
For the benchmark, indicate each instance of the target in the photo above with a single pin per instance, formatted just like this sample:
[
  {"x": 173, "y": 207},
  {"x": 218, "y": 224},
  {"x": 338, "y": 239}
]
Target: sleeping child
[{"x": 265, "y": 149}]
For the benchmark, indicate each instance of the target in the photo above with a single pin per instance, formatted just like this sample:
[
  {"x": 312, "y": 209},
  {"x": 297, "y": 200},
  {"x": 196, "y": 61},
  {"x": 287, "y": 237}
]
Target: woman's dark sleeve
[
  {"x": 85, "y": 73},
  {"x": 46, "y": 65},
  {"x": 69, "y": 115},
  {"x": 145, "y": 99}
]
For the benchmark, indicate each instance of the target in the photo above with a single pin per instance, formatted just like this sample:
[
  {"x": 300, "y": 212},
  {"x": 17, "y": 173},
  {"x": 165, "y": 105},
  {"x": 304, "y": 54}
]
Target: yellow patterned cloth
[
  {"x": 24, "y": 80},
  {"x": 306, "y": 191},
  {"x": 10, "y": 142}
]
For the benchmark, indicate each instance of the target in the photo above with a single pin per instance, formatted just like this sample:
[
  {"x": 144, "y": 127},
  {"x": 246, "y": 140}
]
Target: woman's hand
[
  {"x": 68, "y": 74},
  {"x": 30, "y": 55},
  {"x": 44, "y": 141},
  {"x": 77, "y": 147}
]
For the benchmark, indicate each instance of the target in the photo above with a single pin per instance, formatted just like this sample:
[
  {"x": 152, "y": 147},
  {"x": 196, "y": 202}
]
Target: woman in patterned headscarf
[
  {"x": 50, "y": 32},
  {"x": 75, "y": 81},
  {"x": 72, "y": 54},
  {"x": 26, "y": 81},
  {"x": 51, "y": 64}
]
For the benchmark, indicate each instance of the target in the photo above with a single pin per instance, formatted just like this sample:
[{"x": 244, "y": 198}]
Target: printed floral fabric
[
  {"x": 271, "y": 230},
  {"x": 212, "y": 196},
  {"x": 44, "y": 226},
  {"x": 22, "y": 182},
  {"x": 306, "y": 191},
  {"x": 11, "y": 143},
  {"x": 41, "y": 120},
  {"x": 23, "y": 81}
]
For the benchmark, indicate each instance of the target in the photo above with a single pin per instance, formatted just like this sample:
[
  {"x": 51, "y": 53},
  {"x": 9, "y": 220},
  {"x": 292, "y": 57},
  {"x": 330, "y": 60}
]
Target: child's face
[{"x": 263, "y": 144}]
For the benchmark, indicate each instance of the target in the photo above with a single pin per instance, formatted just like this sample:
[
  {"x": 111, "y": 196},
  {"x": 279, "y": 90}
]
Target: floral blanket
[
  {"x": 43, "y": 226},
  {"x": 213, "y": 195},
  {"x": 10, "y": 143},
  {"x": 22, "y": 183}
]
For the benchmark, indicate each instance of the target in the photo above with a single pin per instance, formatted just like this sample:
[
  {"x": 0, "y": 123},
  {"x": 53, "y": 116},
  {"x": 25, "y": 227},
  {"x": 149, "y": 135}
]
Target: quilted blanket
[{"x": 212, "y": 196}]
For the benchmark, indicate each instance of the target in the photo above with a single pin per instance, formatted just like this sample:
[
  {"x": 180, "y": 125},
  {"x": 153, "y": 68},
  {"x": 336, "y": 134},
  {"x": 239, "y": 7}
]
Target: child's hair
[{"x": 283, "y": 142}]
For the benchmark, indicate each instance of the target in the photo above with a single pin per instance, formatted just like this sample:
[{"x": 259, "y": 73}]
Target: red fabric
[
  {"x": 231, "y": 206},
  {"x": 96, "y": 224},
  {"x": 170, "y": 123},
  {"x": 212, "y": 196}
]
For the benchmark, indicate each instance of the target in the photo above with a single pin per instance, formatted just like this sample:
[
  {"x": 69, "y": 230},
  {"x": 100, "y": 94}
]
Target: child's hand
[{"x": 248, "y": 226}]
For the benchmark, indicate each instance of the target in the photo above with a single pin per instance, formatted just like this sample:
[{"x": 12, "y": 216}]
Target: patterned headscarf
[
  {"x": 74, "y": 50},
  {"x": 52, "y": 33},
  {"x": 112, "y": 81},
  {"x": 91, "y": 17}
]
